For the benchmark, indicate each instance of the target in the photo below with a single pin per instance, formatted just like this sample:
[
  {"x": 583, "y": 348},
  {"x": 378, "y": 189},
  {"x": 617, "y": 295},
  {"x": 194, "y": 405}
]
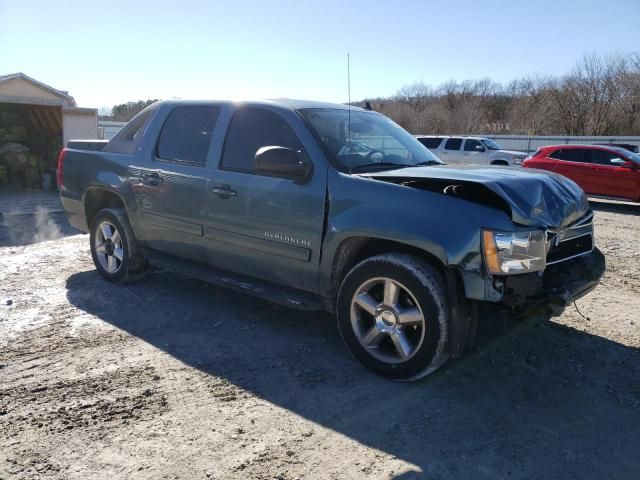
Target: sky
[{"x": 109, "y": 52}]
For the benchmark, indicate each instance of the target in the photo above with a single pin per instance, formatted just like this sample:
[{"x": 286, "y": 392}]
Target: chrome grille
[{"x": 572, "y": 241}]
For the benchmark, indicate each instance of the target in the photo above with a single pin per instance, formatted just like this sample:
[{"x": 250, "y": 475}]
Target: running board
[{"x": 271, "y": 292}]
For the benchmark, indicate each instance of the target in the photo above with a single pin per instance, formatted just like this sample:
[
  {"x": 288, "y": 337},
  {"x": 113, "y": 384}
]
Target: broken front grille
[{"x": 572, "y": 241}]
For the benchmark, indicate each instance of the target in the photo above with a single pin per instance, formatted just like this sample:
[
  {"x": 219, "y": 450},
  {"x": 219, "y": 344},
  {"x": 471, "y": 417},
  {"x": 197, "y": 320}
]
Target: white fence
[{"x": 528, "y": 144}]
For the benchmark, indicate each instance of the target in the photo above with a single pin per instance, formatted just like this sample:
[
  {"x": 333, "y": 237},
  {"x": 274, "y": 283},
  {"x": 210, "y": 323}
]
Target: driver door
[
  {"x": 259, "y": 225},
  {"x": 473, "y": 152}
]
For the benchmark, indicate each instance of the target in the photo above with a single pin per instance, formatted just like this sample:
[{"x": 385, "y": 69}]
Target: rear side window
[
  {"x": 251, "y": 129},
  {"x": 453, "y": 144},
  {"x": 602, "y": 157},
  {"x": 569, "y": 155},
  {"x": 472, "y": 146},
  {"x": 430, "y": 142},
  {"x": 186, "y": 134},
  {"x": 128, "y": 138}
]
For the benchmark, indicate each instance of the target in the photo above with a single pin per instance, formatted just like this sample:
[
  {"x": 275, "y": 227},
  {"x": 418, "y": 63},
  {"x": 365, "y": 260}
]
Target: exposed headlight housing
[{"x": 508, "y": 253}]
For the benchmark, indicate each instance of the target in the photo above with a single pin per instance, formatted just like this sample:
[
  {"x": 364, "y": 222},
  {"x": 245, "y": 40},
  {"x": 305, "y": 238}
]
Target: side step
[{"x": 271, "y": 292}]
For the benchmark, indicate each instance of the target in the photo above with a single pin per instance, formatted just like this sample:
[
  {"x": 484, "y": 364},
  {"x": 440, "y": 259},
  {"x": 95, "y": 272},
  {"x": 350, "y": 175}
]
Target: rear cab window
[
  {"x": 453, "y": 144},
  {"x": 186, "y": 134}
]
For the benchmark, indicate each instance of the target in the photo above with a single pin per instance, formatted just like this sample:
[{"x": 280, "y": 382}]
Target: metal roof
[{"x": 55, "y": 91}]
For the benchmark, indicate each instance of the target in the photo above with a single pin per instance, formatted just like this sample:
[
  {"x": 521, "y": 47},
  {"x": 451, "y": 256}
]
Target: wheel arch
[
  {"x": 98, "y": 198},
  {"x": 353, "y": 250},
  {"x": 499, "y": 161}
]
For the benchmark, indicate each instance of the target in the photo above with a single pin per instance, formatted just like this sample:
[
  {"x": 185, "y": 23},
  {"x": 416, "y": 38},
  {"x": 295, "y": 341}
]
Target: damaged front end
[
  {"x": 547, "y": 259},
  {"x": 573, "y": 267}
]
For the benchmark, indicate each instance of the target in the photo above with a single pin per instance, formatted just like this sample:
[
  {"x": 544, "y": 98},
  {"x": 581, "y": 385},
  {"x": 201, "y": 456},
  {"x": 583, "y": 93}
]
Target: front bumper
[{"x": 558, "y": 286}]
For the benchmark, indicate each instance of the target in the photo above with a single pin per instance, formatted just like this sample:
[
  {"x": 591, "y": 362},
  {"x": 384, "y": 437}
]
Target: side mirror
[
  {"x": 282, "y": 162},
  {"x": 479, "y": 148}
]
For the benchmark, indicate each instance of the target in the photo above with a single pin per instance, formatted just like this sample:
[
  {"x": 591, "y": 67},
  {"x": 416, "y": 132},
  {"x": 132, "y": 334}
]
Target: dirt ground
[{"x": 173, "y": 378}]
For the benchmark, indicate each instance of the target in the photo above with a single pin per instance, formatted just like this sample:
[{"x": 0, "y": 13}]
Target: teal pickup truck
[{"x": 323, "y": 206}]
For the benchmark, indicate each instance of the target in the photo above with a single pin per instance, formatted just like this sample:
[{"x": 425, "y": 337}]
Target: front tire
[
  {"x": 394, "y": 316},
  {"x": 114, "y": 248}
]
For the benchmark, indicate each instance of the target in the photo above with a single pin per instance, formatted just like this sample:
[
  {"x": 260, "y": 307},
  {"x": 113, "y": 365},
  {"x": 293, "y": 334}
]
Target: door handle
[
  {"x": 223, "y": 191},
  {"x": 152, "y": 179}
]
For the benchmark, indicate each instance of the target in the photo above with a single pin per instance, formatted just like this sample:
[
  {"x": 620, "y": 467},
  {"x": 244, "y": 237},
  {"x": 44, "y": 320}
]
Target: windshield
[
  {"x": 634, "y": 157},
  {"x": 367, "y": 141},
  {"x": 490, "y": 144}
]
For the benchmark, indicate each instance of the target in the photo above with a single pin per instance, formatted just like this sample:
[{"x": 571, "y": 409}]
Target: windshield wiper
[
  {"x": 379, "y": 164},
  {"x": 428, "y": 162}
]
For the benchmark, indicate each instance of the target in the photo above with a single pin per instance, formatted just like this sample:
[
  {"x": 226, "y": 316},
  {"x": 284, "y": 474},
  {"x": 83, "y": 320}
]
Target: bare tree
[{"x": 599, "y": 96}]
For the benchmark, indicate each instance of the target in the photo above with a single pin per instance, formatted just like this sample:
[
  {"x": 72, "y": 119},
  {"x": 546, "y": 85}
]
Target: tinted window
[
  {"x": 602, "y": 157},
  {"x": 430, "y": 142},
  {"x": 569, "y": 155},
  {"x": 471, "y": 146},
  {"x": 453, "y": 144},
  {"x": 251, "y": 129},
  {"x": 128, "y": 138},
  {"x": 186, "y": 134}
]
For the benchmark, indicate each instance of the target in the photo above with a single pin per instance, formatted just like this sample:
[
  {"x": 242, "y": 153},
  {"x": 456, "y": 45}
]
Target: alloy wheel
[
  {"x": 108, "y": 246},
  {"x": 387, "y": 320}
]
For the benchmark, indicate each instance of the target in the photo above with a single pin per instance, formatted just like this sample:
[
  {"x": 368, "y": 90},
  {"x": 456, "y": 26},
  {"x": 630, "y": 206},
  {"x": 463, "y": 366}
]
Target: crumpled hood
[{"x": 534, "y": 197}]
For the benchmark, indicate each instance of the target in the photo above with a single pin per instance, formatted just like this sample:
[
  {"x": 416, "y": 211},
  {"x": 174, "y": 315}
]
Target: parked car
[
  {"x": 470, "y": 151},
  {"x": 318, "y": 206},
  {"x": 602, "y": 171},
  {"x": 626, "y": 146}
]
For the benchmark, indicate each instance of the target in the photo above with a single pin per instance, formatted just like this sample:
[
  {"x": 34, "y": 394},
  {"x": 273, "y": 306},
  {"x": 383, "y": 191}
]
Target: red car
[{"x": 601, "y": 171}]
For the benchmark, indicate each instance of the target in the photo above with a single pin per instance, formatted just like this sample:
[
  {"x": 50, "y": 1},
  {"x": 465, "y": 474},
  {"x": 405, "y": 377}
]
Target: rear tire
[
  {"x": 114, "y": 247},
  {"x": 394, "y": 316}
]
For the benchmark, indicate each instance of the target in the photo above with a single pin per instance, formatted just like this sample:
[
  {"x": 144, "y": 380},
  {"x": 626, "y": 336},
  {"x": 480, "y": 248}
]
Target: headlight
[
  {"x": 507, "y": 253},
  {"x": 517, "y": 160}
]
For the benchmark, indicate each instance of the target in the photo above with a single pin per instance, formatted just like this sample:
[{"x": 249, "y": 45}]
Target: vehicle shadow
[
  {"x": 544, "y": 401},
  {"x": 615, "y": 207}
]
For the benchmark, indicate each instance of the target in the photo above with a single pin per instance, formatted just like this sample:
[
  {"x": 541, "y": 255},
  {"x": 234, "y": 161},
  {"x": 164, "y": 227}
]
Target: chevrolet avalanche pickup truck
[{"x": 322, "y": 206}]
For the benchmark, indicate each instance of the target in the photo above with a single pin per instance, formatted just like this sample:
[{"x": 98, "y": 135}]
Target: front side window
[
  {"x": 366, "y": 141},
  {"x": 602, "y": 157},
  {"x": 569, "y": 155},
  {"x": 453, "y": 144},
  {"x": 490, "y": 144},
  {"x": 473, "y": 146},
  {"x": 251, "y": 129},
  {"x": 186, "y": 134}
]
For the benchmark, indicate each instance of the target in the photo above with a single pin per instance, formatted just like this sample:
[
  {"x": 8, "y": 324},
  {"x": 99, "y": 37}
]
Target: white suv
[{"x": 470, "y": 151}]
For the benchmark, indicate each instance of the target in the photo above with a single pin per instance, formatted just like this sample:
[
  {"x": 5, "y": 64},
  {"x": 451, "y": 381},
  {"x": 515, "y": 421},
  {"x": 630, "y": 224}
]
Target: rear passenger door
[
  {"x": 263, "y": 226},
  {"x": 172, "y": 188},
  {"x": 451, "y": 151}
]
